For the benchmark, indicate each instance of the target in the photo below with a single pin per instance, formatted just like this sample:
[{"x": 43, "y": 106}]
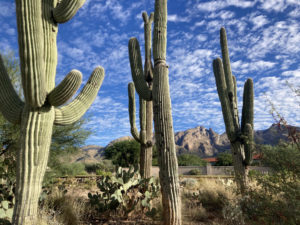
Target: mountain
[
  {"x": 199, "y": 140},
  {"x": 90, "y": 154},
  {"x": 206, "y": 143}
]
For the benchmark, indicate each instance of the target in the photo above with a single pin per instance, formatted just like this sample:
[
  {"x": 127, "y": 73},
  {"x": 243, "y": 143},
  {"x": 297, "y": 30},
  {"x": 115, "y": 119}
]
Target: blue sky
[{"x": 264, "y": 44}]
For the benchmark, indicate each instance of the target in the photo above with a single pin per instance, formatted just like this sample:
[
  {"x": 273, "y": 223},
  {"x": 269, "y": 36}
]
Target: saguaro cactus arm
[
  {"x": 223, "y": 96},
  {"x": 230, "y": 82},
  {"x": 66, "y": 9},
  {"x": 141, "y": 138},
  {"x": 31, "y": 47},
  {"x": 66, "y": 89},
  {"x": 137, "y": 70},
  {"x": 10, "y": 104},
  {"x": 248, "y": 104},
  {"x": 73, "y": 111},
  {"x": 226, "y": 61},
  {"x": 148, "y": 67},
  {"x": 247, "y": 120},
  {"x": 131, "y": 104}
]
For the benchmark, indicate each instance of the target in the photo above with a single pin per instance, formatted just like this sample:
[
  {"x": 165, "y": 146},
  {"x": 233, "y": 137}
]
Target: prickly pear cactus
[
  {"x": 124, "y": 191},
  {"x": 163, "y": 123},
  {"x": 240, "y": 136},
  {"x": 37, "y": 23}
]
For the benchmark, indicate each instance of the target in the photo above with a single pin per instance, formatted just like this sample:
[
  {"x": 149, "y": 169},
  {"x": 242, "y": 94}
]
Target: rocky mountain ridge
[{"x": 199, "y": 140}]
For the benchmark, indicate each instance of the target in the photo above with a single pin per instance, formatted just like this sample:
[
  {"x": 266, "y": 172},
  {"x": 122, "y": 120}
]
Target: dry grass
[
  {"x": 65, "y": 209},
  {"x": 205, "y": 200}
]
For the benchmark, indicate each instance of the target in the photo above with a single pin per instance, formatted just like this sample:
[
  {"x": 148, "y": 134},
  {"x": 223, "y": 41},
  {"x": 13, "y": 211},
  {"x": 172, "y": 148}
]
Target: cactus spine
[
  {"x": 241, "y": 137},
  {"x": 146, "y": 111},
  {"x": 37, "y": 23},
  {"x": 163, "y": 123}
]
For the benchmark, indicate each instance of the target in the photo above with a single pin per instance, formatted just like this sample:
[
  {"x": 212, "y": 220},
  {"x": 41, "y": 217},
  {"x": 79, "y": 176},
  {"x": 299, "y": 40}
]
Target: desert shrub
[
  {"x": 103, "y": 165},
  {"x": 195, "y": 172},
  {"x": 123, "y": 153},
  {"x": 154, "y": 156},
  {"x": 70, "y": 169},
  {"x": 7, "y": 184},
  {"x": 224, "y": 159},
  {"x": 210, "y": 199},
  {"x": 66, "y": 209},
  {"x": 276, "y": 198},
  {"x": 194, "y": 211},
  {"x": 190, "y": 160},
  {"x": 232, "y": 213},
  {"x": 103, "y": 173},
  {"x": 189, "y": 183}
]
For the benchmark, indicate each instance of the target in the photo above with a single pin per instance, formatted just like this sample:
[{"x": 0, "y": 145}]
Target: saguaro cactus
[
  {"x": 240, "y": 136},
  {"x": 163, "y": 123},
  {"x": 37, "y": 30},
  {"x": 146, "y": 111}
]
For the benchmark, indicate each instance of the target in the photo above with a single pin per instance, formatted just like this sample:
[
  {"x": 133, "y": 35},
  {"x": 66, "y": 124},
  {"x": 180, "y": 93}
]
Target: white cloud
[
  {"x": 217, "y": 5},
  {"x": 295, "y": 73},
  {"x": 259, "y": 21},
  {"x": 201, "y": 37},
  {"x": 7, "y": 9},
  {"x": 222, "y": 14},
  {"x": 295, "y": 13},
  {"x": 175, "y": 18},
  {"x": 277, "y": 5}
]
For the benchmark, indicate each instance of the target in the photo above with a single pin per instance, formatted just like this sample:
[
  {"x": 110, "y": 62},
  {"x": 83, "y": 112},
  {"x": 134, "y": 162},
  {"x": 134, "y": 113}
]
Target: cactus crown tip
[{"x": 217, "y": 60}]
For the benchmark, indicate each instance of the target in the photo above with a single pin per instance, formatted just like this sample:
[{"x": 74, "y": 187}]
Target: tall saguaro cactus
[
  {"x": 163, "y": 123},
  {"x": 146, "y": 111},
  {"x": 37, "y": 31},
  {"x": 240, "y": 136}
]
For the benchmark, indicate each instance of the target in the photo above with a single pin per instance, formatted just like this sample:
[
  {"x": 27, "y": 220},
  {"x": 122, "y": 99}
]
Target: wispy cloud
[{"x": 175, "y": 18}]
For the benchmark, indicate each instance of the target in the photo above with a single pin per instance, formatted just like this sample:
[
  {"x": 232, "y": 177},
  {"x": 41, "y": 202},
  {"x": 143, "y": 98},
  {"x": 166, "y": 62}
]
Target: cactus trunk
[
  {"x": 36, "y": 131},
  {"x": 146, "y": 151},
  {"x": 240, "y": 170},
  {"x": 145, "y": 161},
  {"x": 164, "y": 136},
  {"x": 162, "y": 113},
  {"x": 146, "y": 108},
  {"x": 240, "y": 136},
  {"x": 37, "y": 30}
]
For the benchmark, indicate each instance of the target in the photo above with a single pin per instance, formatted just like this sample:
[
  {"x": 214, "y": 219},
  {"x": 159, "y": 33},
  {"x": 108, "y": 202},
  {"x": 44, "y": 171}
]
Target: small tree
[
  {"x": 124, "y": 153},
  {"x": 224, "y": 159},
  {"x": 190, "y": 160},
  {"x": 276, "y": 199}
]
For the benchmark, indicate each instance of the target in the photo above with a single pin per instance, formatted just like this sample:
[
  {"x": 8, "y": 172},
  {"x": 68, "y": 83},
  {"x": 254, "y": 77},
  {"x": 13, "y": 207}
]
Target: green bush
[
  {"x": 124, "y": 153},
  {"x": 103, "y": 173},
  {"x": 277, "y": 198},
  {"x": 190, "y": 160},
  {"x": 154, "y": 156},
  {"x": 70, "y": 169},
  {"x": 103, "y": 165},
  {"x": 224, "y": 159},
  {"x": 194, "y": 172}
]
